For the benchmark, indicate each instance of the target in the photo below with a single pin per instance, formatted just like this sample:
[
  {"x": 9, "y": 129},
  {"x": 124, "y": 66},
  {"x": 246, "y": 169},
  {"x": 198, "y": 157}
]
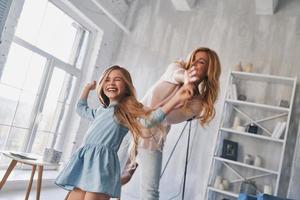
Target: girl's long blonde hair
[
  {"x": 128, "y": 109},
  {"x": 209, "y": 86}
]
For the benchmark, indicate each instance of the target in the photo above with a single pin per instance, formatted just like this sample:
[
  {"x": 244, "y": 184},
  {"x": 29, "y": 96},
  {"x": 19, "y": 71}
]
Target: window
[{"x": 42, "y": 68}]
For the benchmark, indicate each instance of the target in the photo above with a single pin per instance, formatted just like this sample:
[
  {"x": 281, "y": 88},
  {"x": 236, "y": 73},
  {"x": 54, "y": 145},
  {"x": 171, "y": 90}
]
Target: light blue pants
[{"x": 150, "y": 165}]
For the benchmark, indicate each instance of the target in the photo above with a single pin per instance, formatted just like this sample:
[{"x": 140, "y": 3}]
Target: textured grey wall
[{"x": 161, "y": 35}]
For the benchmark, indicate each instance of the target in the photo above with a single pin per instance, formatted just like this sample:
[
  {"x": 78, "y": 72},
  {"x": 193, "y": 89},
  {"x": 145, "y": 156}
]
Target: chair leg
[
  {"x": 30, "y": 182},
  {"x": 39, "y": 182},
  {"x": 7, "y": 173},
  {"x": 66, "y": 198}
]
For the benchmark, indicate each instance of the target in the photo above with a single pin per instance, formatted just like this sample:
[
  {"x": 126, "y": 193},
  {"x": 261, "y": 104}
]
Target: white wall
[{"x": 161, "y": 35}]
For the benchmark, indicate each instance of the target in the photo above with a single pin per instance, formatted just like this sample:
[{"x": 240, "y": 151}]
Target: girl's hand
[
  {"x": 91, "y": 86},
  {"x": 185, "y": 93}
]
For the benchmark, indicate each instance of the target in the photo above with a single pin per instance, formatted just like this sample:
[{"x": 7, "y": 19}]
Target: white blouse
[{"x": 158, "y": 95}]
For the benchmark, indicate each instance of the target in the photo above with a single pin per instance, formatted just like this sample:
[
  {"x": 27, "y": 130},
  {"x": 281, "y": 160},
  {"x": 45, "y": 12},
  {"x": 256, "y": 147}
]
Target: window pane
[
  {"x": 16, "y": 66},
  {"x": 16, "y": 139},
  {"x": 51, "y": 107},
  {"x": 41, "y": 141},
  {"x": 23, "y": 68},
  {"x": 4, "y": 161},
  {"x": 71, "y": 90},
  {"x": 83, "y": 50},
  {"x": 8, "y": 103},
  {"x": 24, "y": 110},
  {"x": 64, "y": 118},
  {"x": 4, "y": 130},
  {"x": 55, "y": 107},
  {"x": 31, "y": 19},
  {"x": 35, "y": 73},
  {"x": 47, "y": 27},
  {"x": 20, "y": 81}
]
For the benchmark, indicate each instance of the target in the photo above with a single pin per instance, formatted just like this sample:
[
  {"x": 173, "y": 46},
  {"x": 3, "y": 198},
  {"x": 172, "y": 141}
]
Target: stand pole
[{"x": 186, "y": 158}]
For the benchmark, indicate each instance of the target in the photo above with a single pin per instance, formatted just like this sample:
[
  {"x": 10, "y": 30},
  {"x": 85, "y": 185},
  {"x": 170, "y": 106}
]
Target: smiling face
[
  {"x": 114, "y": 86},
  {"x": 200, "y": 63}
]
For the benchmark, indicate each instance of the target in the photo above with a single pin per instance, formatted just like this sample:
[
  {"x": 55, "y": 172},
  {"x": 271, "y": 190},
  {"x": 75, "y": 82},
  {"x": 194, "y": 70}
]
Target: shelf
[
  {"x": 263, "y": 77},
  {"x": 245, "y": 165},
  {"x": 256, "y": 86},
  {"x": 228, "y": 193},
  {"x": 229, "y": 130},
  {"x": 263, "y": 106}
]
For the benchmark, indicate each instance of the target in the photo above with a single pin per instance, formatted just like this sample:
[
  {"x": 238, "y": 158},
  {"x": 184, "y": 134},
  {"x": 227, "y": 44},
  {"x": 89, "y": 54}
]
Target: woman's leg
[
  {"x": 76, "y": 194},
  {"x": 96, "y": 196},
  {"x": 150, "y": 166}
]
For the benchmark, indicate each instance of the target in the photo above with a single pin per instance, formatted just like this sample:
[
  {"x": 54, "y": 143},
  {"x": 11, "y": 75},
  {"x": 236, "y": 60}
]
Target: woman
[{"x": 202, "y": 68}]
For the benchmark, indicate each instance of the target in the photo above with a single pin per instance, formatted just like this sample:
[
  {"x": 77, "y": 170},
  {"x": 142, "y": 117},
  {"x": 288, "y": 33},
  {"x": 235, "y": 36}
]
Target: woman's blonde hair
[
  {"x": 209, "y": 86},
  {"x": 128, "y": 109}
]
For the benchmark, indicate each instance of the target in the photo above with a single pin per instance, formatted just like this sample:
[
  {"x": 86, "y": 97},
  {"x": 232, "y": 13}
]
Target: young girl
[{"x": 94, "y": 170}]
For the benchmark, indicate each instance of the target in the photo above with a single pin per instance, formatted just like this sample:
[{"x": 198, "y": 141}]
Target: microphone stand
[
  {"x": 189, "y": 121},
  {"x": 186, "y": 157}
]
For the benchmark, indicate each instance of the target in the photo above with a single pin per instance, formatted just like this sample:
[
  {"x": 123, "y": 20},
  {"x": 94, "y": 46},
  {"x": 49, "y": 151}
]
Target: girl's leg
[
  {"x": 151, "y": 163},
  {"x": 76, "y": 194},
  {"x": 96, "y": 196}
]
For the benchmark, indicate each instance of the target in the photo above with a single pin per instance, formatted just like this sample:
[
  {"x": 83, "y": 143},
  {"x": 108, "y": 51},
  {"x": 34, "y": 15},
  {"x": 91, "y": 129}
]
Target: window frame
[{"x": 83, "y": 74}]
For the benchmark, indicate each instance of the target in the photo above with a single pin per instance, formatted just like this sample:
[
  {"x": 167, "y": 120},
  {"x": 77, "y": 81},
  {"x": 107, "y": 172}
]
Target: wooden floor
[{"x": 46, "y": 194}]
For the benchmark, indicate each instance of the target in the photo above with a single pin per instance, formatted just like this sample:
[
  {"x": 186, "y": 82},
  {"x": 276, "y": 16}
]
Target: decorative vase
[
  {"x": 248, "y": 159},
  {"x": 218, "y": 181},
  {"x": 221, "y": 186},
  {"x": 240, "y": 128},
  {"x": 248, "y": 68},
  {"x": 238, "y": 67},
  {"x": 236, "y": 122},
  {"x": 268, "y": 189},
  {"x": 258, "y": 161},
  {"x": 226, "y": 184}
]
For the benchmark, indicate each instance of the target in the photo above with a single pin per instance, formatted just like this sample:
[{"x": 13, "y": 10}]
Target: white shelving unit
[{"x": 255, "y": 99}]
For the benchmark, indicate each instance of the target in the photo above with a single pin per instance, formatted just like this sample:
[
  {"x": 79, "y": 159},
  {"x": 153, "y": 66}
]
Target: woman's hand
[
  {"x": 91, "y": 86},
  {"x": 192, "y": 75}
]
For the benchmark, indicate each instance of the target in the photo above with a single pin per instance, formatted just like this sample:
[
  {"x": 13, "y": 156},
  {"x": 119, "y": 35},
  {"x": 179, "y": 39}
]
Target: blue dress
[{"x": 95, "y": 166}]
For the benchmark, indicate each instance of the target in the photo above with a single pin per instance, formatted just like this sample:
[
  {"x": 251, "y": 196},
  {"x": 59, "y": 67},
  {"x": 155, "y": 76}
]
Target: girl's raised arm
[{"x": 82, "y": 106}]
